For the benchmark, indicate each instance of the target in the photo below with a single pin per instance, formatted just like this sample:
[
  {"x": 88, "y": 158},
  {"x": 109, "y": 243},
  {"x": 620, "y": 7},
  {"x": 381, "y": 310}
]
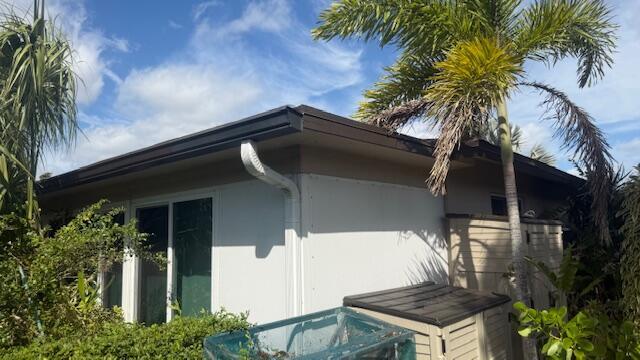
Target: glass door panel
[
  {"x": 113, "y": 277},
  {"x": 192, "y": 226},
  {"x": 153, "y": 280}
]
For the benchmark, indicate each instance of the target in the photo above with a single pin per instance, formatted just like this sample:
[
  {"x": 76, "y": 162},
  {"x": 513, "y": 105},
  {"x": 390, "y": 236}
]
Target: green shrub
[
  {"x": 48, "y": 281},
  {"x": 630, "y": 264},
  {"x": 180, "y": 339},
  {"x": 590, "y": 334}
]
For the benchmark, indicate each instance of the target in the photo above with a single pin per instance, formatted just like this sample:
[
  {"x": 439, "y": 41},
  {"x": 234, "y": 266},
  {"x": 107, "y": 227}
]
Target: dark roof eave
[
  {"x": 484, "y": 149},
  {"x": 270, "y": 124},
  {"x": 279, "y": 122}
]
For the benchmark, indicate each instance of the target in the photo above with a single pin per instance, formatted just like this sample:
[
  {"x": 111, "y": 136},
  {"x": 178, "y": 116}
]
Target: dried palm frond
[
  {"x": 578, "y": 131},
  {"x": 538, "y": 152}
]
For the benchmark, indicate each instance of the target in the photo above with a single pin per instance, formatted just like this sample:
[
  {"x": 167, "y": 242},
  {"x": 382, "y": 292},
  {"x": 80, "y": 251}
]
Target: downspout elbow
[{"x": 259, "y": 170}]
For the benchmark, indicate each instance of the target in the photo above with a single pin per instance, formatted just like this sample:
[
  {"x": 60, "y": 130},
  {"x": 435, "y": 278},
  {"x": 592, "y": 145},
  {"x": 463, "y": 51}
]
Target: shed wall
[
  {"x": 481, "y": 253},
  {"x": 480, "y": 256},
  {"x": 361, "y": 236}
]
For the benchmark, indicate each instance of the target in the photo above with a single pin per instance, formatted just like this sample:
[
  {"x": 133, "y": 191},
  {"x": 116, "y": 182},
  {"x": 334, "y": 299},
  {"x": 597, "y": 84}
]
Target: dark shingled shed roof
[{"x": 428, "y": 302}]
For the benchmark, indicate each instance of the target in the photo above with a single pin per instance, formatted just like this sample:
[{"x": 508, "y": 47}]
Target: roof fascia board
[{"x": 271, "y": 124}]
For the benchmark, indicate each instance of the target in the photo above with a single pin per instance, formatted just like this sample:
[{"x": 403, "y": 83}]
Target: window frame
[{"x": 503, "y": 196}]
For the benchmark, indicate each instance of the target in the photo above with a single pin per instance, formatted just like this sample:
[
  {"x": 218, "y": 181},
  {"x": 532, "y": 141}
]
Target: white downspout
[{"x": 293, "y": 258}]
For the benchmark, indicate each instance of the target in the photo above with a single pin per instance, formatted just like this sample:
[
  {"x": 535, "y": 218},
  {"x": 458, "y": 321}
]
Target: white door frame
[{"x": 131, "y": 265}]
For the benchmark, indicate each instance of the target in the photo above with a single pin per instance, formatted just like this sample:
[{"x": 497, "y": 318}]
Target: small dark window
[{"x": 499, "y": 205}]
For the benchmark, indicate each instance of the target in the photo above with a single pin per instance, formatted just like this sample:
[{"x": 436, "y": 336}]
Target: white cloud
[
  {"x": 269, "y": 15},
  {"x": 216, "y": 79},
  {"x": 174, "y": 25},
  {"x": 89, "y": 44},
  {"x": 628, "y": 152},
  {"x": 200, "y": 9}
]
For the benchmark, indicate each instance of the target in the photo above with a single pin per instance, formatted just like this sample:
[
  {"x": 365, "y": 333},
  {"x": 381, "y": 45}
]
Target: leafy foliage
[
  {"x": 37, "y": 100},
  {"x": 572, "y": 283},
  {"x": 590, "y": 334},
  {"x": 630, "y": 264},
  {"x": 594, "y": 259},
  {"x": 44, "y": 287},
  {"x": 182, "y": 338},
  {"x": 593, "y": 326}
]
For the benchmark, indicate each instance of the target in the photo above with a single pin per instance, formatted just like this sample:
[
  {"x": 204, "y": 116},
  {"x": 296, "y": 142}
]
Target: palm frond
[
  {"x": 474, "y": 77},
  {"x": 538, "y": 152},
  {"x": 491, "y": 133},
  {"x": 397, "y": 98},
  {"x": 397, "y": 116},
  {"x": 38, "y": 89},
  {"x": 426, "y": 28},
  {"x": 498, "y": 18},
  {"x": 578, "y": 131},
  {"x": 551, "y": 30}
]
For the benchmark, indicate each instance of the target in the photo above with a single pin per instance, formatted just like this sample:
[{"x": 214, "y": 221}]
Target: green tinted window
[
  {"x": 192, "y": 225},
  {"x": 153, "y": 280}
]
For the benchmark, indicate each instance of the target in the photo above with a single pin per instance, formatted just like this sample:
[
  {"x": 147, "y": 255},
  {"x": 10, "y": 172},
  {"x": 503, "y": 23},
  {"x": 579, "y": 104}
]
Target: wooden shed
[{"x": 450, "y": 322}]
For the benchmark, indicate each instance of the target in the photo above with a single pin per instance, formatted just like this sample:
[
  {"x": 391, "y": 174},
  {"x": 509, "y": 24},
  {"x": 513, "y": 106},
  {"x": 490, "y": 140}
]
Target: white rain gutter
[{"x": 293, "y": 245}]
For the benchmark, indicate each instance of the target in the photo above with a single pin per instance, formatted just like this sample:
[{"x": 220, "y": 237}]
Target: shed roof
[{"x": 428, "y": 302}]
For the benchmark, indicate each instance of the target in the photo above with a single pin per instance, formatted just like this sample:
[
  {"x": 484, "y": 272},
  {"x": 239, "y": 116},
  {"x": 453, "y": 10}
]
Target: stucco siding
[
  {"x": 249, "y": 254},
  {"x": 361, "y": 236}
]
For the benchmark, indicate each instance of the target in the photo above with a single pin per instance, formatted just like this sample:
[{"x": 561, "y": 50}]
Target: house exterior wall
[
  {"x": 367, "y": 222},
  {"x": 360, "y": 236},
  {"x": 249, "y": 252},
  {"x": 469, "y": 190}
]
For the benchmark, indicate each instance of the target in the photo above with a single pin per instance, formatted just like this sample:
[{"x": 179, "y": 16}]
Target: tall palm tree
[
  {"x": 461, "y": 60},
  {"x": 491, "y": 133},
  {"x": 37, "y": 99}
]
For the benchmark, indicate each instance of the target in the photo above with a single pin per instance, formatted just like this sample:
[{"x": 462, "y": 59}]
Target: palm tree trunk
[{"x": 517, "y": 246}]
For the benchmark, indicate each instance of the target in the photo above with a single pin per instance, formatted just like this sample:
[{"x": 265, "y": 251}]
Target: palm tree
[
  {"x": 37, "y": 107},
  {"x": 538, "y": 152},
  {"x": 459, "y": 62},
  {"x": 491, "y": 133}
]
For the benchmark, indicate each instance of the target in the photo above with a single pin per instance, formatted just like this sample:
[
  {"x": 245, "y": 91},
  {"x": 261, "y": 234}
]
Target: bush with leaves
[
  {"x": 48, "y": 282},
  {"x": 630, "y": 264},
  {"x": 588, "y": 328},
  {"x": 590, "y": 334},
  {"x": 182, "y": 338}
]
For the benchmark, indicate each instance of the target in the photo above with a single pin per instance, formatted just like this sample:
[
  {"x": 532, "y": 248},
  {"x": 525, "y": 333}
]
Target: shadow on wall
[{"x": 431, "y": 264}]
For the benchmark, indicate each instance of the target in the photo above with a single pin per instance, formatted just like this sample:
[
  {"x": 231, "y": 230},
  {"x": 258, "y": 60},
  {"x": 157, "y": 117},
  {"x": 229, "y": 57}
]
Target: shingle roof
[{"x": 428, "y": 302}]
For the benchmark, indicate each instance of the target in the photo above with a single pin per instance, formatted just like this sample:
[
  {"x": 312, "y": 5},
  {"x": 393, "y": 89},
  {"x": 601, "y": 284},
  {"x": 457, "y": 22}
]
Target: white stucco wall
[
  {"x": 249, "y": 256},
  {"x": 361, "y": 236}
]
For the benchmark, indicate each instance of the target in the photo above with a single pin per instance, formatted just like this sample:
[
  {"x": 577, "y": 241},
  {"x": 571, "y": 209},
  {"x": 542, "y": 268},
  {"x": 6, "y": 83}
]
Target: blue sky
[{"x": 155, "y": 70}]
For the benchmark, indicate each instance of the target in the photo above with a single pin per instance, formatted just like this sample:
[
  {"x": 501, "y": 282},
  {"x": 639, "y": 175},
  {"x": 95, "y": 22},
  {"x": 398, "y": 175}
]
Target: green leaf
[
  {"x": 554, "y": 348},
  {"x": 525, "y": 331}
]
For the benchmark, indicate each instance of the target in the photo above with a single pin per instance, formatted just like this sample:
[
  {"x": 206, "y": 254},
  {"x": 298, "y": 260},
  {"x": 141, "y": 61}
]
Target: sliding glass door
[
  {"x": 192, "y": 238},
  {"x": 152, "y": 292},
  {"x": 182, "y": 230}
]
